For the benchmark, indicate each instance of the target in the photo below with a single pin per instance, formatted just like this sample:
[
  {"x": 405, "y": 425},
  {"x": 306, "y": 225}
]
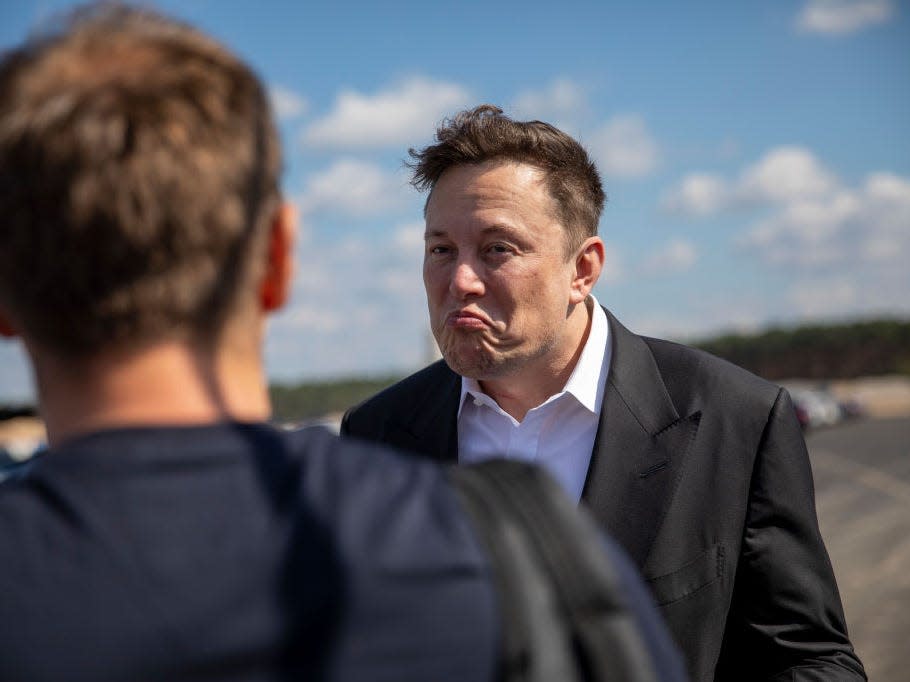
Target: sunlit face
[{"x": 495, "y": 270}]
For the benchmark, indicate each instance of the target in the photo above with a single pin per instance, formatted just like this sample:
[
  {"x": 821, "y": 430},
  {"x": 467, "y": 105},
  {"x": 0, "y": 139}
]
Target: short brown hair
[
  {"x": 484, "y": 133},
  {"x": 138, "y": 165}
]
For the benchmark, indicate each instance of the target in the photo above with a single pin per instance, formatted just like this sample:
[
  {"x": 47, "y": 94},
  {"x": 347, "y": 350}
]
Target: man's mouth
[{"x": 463, "y": 319}]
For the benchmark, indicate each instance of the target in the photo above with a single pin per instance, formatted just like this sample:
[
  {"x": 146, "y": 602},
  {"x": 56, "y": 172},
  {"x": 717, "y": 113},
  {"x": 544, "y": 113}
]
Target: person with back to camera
[
  {"x": 696, "y": 467},
  {"x": 170, "y": 533}
]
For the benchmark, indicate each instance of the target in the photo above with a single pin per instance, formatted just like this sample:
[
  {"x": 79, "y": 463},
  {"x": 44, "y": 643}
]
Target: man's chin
[{"x": 479, "y": 366}]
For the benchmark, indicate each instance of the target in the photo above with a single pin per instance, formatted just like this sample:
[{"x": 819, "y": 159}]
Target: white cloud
[
  {"x": 869, "y": 225},
  {"x": 889, "y": 191},
  {"x": 623, "y": 147},
  {"x": 358, "y": 306},
  {"x": 784, "y": 174},
  {"x": 558, "y": 103},
  {"x": 844, "y": 247},
  {"x": 403, "y": 273},
  {"x": 886, "y": 225},
  {"x": 698, "y": 194},
  {"x": 850, "y": 293},
  {"x": 312, "y": 318},
  {"x": 805, "y": 233},
  {"x": 781, "y": 176},
  {"x": 286, "y": 103},
  {"x": 355, "y": 188},
  {"x": 838, "y": 17},
  {"x": 402, "y": 115},
  {"x": 824, "y": 297},
  {"x": 676, "y": 255}
]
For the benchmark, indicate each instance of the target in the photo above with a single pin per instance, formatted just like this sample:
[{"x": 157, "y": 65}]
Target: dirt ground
[
  {"x": 862, "y": 481},
  {"x": 882, "y": 397}
]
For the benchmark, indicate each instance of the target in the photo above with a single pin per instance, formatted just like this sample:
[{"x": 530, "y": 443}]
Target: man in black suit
[
  {"x": 697, "y": 467},
  {"x": 171, "y": 533}
]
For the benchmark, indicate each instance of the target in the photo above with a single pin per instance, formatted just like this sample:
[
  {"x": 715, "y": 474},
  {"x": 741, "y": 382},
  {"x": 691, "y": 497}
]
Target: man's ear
[
  {"x": 279, "y": 270},
  {"x": 589, "y": 262}
]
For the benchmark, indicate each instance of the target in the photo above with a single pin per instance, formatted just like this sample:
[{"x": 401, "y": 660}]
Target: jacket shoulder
[
  {"x": 690, "y": 373},
  {"x": 397, "y": 398}
]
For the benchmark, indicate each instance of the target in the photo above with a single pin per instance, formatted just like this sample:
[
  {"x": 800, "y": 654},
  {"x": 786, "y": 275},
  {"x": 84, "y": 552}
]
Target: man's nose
[{"x": 466, "y": 281}]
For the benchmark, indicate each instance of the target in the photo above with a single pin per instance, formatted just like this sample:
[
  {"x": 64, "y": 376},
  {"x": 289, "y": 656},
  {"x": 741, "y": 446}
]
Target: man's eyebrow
[
  {"x": 491, "y": 229},
  {"x": 499, "y": 229}
]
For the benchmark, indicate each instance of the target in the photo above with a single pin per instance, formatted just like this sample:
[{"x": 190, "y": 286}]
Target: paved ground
[{"x": 862, "y": 480}]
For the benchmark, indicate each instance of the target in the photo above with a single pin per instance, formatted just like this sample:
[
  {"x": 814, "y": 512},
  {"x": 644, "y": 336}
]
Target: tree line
[{"x": 820, "y": 351}]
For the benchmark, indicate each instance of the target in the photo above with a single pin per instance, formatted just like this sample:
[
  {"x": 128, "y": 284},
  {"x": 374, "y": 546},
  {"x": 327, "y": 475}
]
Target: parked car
[{"x": 816, "y": 407}]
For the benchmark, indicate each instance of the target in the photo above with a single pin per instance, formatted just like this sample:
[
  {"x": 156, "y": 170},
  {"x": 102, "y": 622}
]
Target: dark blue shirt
[{"x": 238, "y": 552}]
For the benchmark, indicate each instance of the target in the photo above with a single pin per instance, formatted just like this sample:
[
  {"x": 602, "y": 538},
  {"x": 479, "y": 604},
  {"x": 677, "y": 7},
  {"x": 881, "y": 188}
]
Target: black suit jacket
[{"x": 700, "y": 471}]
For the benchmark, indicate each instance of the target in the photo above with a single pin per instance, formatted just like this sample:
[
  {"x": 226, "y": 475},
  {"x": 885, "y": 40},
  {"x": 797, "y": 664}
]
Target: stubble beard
[{"x": 473, "y": 358}]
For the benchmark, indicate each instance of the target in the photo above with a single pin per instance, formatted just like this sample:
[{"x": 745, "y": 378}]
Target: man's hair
[
  {"x": 139, "y": 165},
  {"x": 484, "y": 133}
]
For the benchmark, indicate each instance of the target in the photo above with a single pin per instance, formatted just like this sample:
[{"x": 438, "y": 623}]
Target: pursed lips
[{"x": 467, "y": 320}]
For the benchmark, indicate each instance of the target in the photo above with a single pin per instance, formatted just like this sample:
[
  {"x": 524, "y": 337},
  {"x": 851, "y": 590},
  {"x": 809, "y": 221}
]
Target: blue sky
[{"x": 756, "y": 155}]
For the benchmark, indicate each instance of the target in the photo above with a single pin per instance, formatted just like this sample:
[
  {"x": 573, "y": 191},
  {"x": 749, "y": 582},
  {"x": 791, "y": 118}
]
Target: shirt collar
[
  {"x": 470, "y": 388},
  {"x": 585, "y": 382}
]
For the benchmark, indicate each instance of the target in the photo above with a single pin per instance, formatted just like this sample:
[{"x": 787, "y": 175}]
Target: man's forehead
[
  {"x": 493, "y": 184},
  {"x": 461, "y": 177},
  {"x": 507, "y": 170}
]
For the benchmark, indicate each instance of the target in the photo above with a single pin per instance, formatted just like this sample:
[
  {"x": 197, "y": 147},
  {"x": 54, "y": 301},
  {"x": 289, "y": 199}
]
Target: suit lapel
[
  {"x": 429, "y": 426},
  {"x": 639, "y": 449}
]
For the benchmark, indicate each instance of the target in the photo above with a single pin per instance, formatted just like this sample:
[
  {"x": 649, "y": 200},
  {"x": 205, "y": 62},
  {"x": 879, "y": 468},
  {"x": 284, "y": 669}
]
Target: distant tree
[
  {"x": 316, "y": 399},
  {"x": 832, "y": 351},
  {"x": 14, "y": 411}
]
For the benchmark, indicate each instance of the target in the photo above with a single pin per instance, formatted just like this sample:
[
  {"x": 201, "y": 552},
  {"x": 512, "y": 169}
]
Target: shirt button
[{"x": 478, "y": 402}]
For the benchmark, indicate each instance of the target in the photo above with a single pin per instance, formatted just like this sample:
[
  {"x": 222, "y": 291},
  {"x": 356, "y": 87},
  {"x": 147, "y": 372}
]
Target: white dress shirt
[{"x": 559, "y": 433}]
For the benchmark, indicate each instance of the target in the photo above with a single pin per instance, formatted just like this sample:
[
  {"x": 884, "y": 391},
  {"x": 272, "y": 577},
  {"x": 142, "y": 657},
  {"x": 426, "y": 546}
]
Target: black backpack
[{"x": 564, "y": 616}]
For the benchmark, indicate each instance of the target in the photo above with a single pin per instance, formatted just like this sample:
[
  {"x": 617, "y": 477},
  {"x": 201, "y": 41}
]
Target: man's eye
[
  {"x": 439, "y": 249},
  {"x": 500, "y": 248}
]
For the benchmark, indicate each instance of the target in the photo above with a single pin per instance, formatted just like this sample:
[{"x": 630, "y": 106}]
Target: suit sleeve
[
  {"x": 346, "y": 424},
  {"x": 356, "y": 423},
  {"x": 361, "y": 421},
  {"x": 786, "y": 620}
]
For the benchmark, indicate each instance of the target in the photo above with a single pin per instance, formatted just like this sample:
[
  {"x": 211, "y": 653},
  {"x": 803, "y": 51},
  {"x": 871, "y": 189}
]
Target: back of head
[
  {"x": 138, "y": 165},
  {"x": 485, "y": 133}
]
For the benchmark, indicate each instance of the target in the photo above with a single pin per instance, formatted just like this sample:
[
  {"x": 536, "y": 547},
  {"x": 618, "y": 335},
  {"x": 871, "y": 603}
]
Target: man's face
[{"x": 495, "y": 270}]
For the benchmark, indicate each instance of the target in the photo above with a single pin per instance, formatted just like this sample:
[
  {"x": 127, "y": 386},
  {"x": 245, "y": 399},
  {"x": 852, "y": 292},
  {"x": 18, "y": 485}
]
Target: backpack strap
[{"x": 564, "y": 614}]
